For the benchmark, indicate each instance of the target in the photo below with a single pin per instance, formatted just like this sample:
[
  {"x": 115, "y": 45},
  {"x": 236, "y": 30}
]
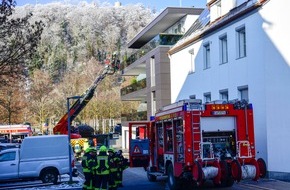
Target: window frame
[
  {"x": 152, "y": 71},
  {"x": 206, "y": 55},
  {"x": 219, "y": 8},
  {"x": 207, "y": 96},
  {"x": 243, "y": 93},
  {"x": 223, "y": 42},
  {"x": 241, "y": 42},
  {"x": 224, "y": 92},
  {"x": 192, "y": 63},
  {"x": 153, "y": 102}
]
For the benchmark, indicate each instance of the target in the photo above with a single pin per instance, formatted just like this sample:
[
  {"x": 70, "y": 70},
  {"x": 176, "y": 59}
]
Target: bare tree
[
  {"x": 18, "y": 42},
  {"x": 12, "y": 102},
  {"x": 40, "y": 98}
]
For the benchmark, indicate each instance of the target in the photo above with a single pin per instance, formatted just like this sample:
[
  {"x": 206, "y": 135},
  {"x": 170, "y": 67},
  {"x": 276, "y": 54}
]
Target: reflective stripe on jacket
[{"x": 102, "y": 166}]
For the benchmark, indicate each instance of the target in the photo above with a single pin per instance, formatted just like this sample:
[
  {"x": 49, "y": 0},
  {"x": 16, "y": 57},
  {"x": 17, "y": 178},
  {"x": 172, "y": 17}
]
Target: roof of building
[
  {"x": 202, "y": 25},
  {"x": 199, "y": 24},
  {"x": 163, "y": 21}
]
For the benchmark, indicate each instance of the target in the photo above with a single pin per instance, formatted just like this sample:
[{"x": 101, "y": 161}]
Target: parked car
[
  {"x": 4, "y": 146},
  {"x": 3, "y": 140},
  {"x": 41, "y": 157}
]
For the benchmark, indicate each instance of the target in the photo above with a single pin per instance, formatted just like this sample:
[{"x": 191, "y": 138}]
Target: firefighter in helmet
[
  {"x": 77, "y": 150},
  {"x": 113, "y": 163},
  {"x": 102, "y": 169},
  {"x": 85, "y": 145},
  {"x": 88, "y": 164},
  {"x": 123, "y": 164}
]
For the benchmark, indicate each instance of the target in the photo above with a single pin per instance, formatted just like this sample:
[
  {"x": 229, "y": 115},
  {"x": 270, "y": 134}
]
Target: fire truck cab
[
  {"x": 139, "y": 144},
  {"x": 191, "y": 142}
]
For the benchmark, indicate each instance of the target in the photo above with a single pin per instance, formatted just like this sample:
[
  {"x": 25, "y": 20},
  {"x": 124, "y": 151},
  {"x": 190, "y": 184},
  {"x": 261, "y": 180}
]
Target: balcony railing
[
  {"x": 161, "y": 39},
  {"x": 136, "y": 116},
  {"x": 134, "y": 87}
]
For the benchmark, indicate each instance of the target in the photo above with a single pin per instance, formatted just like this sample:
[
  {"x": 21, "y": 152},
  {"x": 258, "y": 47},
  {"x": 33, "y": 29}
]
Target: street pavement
[{"x": 136, "y": 179}]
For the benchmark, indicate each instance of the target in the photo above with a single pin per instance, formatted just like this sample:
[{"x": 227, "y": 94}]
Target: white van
[{"x": 42, "y": 157}]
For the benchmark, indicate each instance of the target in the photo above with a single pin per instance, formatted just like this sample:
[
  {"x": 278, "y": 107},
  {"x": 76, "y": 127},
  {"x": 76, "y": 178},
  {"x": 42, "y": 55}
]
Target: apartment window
[
  {"x": 241, "y": 42},
  {"x": 152, "y": 69},
  {"x": 193, "y": 96},
  {"x": 207, "y": 97},
  {"x": 219, "y": 8},
  {"x": 153, "y": 102},
  {"x": 243, "y": 93},
  {"x": 192, "y": 64},
  {"x": 206, "y": 50},
  {"x": 223, "y": 49},
  {"x": 179, "y": 28},
  {"x": 224, "y": 95}
]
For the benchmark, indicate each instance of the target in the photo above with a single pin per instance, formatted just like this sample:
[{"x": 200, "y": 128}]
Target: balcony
[
  {"x": 138, "y": 85},
  {"x": 161, "y": 39},
  {"x": 136, "y": 116}
]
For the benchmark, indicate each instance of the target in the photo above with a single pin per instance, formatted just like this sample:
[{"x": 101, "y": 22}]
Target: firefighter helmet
[
  {"x": 111, "y": 150},
  {"x": 87, "y": 150},
  {"x": 103, "y": 149}
]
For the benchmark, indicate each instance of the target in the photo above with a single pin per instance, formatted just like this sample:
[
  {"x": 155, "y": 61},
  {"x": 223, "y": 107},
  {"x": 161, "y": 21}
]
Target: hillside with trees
[{"x": 72, "y": 44}]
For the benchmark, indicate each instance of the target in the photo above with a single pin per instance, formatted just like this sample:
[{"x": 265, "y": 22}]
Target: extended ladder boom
[{"x": 77, "y": 107}]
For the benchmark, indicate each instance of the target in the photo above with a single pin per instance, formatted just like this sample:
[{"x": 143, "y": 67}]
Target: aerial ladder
[{"x": 62, "y": 126}]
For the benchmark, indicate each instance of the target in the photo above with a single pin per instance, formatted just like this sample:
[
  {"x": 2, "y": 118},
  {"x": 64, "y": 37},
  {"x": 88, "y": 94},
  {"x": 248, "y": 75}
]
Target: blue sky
[{"x": 157, "y": 4}]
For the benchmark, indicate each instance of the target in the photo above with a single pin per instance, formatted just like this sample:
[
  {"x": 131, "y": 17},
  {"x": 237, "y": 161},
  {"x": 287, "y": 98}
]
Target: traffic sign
[{"x": 136, "y": 150}]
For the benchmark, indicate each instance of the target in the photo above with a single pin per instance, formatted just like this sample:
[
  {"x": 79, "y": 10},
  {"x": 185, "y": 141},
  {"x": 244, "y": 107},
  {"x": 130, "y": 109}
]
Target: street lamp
[{"x": 69, "y": 133}]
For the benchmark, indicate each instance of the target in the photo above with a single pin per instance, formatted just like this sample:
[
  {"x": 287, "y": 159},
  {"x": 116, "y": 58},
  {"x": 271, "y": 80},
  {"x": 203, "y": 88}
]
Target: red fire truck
[
  {"x": 15, "y": 133},
  {"x": 191, "y": 142}
]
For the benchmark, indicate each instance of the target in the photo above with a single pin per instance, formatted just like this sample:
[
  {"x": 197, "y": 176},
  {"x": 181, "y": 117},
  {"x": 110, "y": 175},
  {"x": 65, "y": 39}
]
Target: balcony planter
[{"x": 142, "y": 83}]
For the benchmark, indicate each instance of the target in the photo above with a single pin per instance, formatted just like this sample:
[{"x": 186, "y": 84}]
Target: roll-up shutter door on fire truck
[{"x": 217, "y": 123}]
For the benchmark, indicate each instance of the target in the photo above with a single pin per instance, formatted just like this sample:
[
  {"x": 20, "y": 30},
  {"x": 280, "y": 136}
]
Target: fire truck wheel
[
  {"x": 226, "y": 178},
  {"x": 198, "y": 173},
  {"x": 262, "y": 167},
  {"x": 236, "y": 170},
  {"x": 172, "y": 181},
  {"x": 151, "y": 177}
]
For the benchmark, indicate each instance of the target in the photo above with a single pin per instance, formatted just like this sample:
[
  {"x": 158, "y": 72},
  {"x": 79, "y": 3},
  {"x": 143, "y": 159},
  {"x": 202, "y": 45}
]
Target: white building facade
[{"x": 242, "y": 54}]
